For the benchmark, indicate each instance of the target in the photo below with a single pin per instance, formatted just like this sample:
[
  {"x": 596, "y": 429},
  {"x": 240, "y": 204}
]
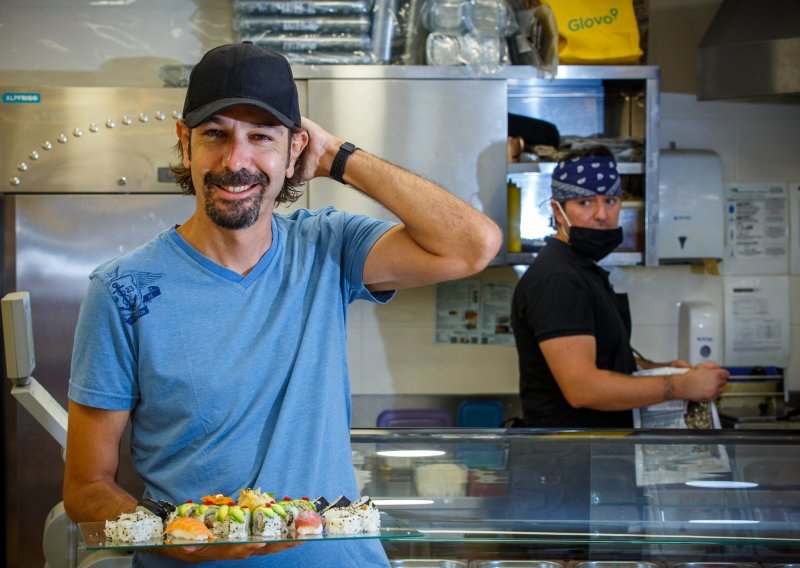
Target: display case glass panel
[{"x": 663, "y": 496}]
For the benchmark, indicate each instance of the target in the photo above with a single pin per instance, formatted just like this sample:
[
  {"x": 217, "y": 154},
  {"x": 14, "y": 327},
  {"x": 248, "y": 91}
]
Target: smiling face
[
  {"x": 596, "y": 212},
  {"x": 239, "y": 160}
]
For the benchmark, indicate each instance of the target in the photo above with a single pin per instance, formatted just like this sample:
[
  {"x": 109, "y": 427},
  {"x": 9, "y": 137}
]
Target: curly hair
[{"x": 289, "y": 192}]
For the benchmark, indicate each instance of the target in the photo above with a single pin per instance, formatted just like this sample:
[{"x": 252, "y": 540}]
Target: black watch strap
[{"x": 337, "y": 168}]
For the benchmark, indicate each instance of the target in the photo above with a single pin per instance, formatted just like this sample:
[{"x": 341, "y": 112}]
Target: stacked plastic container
[
  {"x": 345, "y": 32},
  {"x": 467, "y": 32}
]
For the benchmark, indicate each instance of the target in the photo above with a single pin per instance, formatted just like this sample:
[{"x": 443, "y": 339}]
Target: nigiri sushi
[
  {"x": 189, "y": 528},
  {"x": 308, "y": 522}
]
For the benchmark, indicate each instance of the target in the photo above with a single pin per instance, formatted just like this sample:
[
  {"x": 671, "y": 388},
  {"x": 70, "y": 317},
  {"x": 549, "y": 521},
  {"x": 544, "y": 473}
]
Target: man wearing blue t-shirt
[{"x": 223, "y": 339}]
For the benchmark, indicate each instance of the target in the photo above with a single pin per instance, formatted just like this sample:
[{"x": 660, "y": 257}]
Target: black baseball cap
[{"x": 242, "y": 74}]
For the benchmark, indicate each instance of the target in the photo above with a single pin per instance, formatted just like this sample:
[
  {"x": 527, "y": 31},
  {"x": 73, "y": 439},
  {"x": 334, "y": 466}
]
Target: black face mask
[{"x": 594, "y": 244}]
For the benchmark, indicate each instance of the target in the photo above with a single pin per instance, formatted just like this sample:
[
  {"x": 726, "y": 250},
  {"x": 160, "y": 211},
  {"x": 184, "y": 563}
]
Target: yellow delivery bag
[{"x": 596, "y": 31}]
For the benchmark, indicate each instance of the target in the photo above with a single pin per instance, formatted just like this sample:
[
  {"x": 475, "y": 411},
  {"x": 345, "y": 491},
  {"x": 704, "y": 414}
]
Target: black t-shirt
[{"x": 564, "y": 294}]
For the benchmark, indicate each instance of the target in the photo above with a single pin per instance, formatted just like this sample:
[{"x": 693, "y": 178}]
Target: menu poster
[
  {"x": 474, "y": 312},
  {"x": 756, "y": 321},
  {"x": 794, "y": 232},
  {"x": 757, "y": 228}
]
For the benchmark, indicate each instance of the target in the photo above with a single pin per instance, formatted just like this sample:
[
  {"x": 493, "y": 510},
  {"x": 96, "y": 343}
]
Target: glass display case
[{"x": 500, "y": 497}]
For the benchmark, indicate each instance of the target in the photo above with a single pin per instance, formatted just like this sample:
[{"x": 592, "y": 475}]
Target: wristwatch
[{"x": 337, "y": 168}]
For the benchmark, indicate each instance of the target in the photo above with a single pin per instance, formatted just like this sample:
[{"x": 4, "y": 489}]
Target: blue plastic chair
[{"x": 415, "y": 418}]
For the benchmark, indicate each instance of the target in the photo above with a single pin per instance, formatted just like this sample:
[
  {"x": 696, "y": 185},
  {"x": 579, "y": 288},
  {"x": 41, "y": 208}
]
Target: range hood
[{"x": 751, "y": 51}]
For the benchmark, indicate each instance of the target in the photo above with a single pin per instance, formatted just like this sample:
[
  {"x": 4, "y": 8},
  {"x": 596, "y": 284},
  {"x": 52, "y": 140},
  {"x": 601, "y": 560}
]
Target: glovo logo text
[{"x": 581, "y": 23}]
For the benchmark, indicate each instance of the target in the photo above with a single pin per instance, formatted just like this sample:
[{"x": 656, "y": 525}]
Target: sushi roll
[
  {"x": 217, "y": 499},
  {"x": 206, "y": 513},
  {"x": 139, "y": 526},
  {"x": 231, "y": 523},
  {"x": 370, "y": 517},
  {"x": 339, "y": 502},
  {"x": 182, "y": 510},
  {"x": 342, "y": 520},
  {"x": 344, "y": 517},
  {"x": 267, "y": 523},
  {"x": 304, "y": 504},
  {"x": 320, "y": 503},
  {"x": 254, "y": 498},
  {"x": 291, "y": 509}
]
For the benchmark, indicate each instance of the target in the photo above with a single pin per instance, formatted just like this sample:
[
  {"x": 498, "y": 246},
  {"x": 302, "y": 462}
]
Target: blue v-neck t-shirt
[{"x": 233, "y": 381}]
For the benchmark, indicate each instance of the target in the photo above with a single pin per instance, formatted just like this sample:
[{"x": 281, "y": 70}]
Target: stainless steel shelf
[
  {"x": 614, "y": 259},
  {"x": 625, "y": 168}
]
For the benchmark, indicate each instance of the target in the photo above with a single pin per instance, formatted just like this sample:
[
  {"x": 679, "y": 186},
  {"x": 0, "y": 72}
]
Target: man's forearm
[
  {"x": 436, "y": 220},
  {"x": 612, "y": 391},
  {"x": 98, "y": 501}
]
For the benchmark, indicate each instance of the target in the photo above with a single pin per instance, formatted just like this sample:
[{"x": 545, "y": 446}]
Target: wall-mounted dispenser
[
  {"x": 691, "y": 211},
  {"x": 699, "y": 333}
]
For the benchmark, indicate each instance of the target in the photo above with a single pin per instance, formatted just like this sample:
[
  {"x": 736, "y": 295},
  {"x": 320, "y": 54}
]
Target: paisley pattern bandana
[{"x": 585, "y": 176}]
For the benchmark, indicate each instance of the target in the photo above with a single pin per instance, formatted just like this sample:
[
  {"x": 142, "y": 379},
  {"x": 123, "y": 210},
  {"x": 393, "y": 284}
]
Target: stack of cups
[{"x": 467, "y": 32}]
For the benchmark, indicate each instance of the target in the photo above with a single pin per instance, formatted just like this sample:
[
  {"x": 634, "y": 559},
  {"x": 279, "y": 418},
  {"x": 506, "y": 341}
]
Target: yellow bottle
[{"x": 513, "y": 200}]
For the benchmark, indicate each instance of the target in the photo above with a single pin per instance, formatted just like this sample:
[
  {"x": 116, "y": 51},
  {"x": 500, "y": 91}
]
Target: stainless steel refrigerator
[{"x": 85, "y": 179}]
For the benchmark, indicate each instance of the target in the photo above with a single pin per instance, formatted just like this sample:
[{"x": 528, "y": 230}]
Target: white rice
[
  {"x": 368, "y": 513},
  {"x": 231, "y": 529},
  {"x": 342, "y": 520},
  {"x": 134, "y": 527},
  {"x": 273, "y": 527},
  {"x": 370, "y": 519},
  {"x": 303, "y": 531}
]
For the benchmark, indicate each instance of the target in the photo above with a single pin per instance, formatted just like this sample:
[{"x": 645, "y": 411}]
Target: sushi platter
[
  {"x": 255, "y": 518},
  {"x": 92, "y": 537}
]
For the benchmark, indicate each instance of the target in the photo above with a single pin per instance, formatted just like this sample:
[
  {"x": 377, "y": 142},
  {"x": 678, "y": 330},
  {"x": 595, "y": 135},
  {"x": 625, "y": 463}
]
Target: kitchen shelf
[
  {"x": 613, "y": 259},
  {"x": 614, "y": 105},
  {"x": 624, "y": 168}
]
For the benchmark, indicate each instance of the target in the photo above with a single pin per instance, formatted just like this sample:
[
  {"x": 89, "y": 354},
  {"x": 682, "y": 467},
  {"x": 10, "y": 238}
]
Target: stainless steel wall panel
[
  {"x": 451, "y": 131},
  {"x": 53, "y": 242},
  {"x": 88, "y": 140}
]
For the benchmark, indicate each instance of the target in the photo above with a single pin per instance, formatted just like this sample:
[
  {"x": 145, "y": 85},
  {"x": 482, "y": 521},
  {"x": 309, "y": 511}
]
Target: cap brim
[{"x": 203, "y": 113}]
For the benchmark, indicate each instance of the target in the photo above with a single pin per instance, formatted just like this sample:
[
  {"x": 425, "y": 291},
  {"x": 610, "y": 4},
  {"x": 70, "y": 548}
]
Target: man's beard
[{"x": 238, "y": 214}]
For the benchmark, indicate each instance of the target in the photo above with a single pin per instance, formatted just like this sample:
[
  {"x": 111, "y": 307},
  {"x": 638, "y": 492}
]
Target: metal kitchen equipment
[{"x": 85, "y": 179}]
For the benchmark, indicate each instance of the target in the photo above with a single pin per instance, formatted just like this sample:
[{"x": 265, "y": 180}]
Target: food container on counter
[
  {"x": 617, "y": 564},
  {"x": 716, "y": 565},
  {"x": 515, "y": 564},
  {"x": 426, "y": 563}
]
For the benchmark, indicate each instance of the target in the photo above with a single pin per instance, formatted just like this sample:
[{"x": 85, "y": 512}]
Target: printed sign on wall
[
  {"x": 756, "y": 320},
  {"x": 757, "y": 228}
]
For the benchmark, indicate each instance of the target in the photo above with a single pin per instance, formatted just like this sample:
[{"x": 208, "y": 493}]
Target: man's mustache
[{"x": 241, "y": 177}]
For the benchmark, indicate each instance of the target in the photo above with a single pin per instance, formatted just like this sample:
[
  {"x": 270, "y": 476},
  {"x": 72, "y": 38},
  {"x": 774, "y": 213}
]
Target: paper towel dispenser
[{"x": 691, "y": 216}]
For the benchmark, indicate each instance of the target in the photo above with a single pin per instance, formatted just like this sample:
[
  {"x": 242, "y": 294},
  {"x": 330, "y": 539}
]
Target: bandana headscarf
[{"x": 585, "y": 176}]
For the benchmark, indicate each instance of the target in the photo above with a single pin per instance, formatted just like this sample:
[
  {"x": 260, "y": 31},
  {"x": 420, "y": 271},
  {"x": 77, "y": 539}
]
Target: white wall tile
[
  {"x": 655, "y": 293},
  {"x": 768, "y": 149},
  {"x": 682, "y": 105},
  {"x": 405, "y": 360},
  {"x": 792, "y": 372},
  {"x": 794, "y": 300},
  {"x": 717, "y": 134},
  {"x": 657, "y": 343}
]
